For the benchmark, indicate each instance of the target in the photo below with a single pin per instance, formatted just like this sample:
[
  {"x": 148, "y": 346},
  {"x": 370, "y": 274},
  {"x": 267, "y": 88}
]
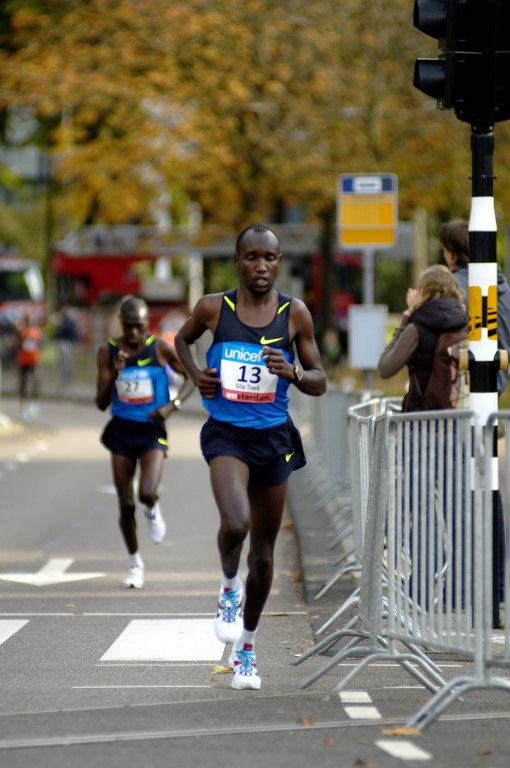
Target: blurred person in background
[
  {"x": 454, "y": 238},
  {"x": 66, "y": 336},
  {"x": 132, "y": 379},
  {"x": 28, "y": 357},
  {"x": 433, "y": 307},
  {"x": 331, "y": 348}
]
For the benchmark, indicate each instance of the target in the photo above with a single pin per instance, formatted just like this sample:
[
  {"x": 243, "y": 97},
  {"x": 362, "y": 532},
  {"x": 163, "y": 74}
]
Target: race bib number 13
[{"x": 244, "y": 375}]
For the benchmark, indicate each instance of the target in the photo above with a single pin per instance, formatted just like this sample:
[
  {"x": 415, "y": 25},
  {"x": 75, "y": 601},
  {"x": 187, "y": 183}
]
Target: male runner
[
  {"x": 131, "y": 377},
  {"x": 249, "y": 441}
]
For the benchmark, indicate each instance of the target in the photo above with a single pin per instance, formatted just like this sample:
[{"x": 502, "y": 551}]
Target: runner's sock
[
  {"x": 235, "y": 583},
  {"x": 247, "y": 638},
  {"x": 135, "y": 561}
]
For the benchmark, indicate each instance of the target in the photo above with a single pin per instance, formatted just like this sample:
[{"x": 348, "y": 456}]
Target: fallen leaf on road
[
  {"x": 361, "y": 763},
  {"x": 288, "y": 525},
  {"x": 486, "y": 751},
  {"x": 329, "y": 742},
  {"x": 401, "y": 730},
  {"x": 276, "y": 613},
  {"x": 219, "y": 669},
  {"x": 307, "y": 720}
]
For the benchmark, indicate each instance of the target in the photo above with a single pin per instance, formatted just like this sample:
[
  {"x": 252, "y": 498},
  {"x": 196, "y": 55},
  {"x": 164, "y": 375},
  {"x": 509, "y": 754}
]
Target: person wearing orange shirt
[{"x": 27, "y": 361}]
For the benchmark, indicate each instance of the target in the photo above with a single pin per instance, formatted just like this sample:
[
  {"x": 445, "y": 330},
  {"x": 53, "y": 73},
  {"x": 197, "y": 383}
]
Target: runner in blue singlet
[
  {"x": 249, "y": 440},
  {"x": 132, "y": 378}
]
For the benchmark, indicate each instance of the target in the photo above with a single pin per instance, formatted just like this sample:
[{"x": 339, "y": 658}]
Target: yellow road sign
[{"x": 367, "y": 210}]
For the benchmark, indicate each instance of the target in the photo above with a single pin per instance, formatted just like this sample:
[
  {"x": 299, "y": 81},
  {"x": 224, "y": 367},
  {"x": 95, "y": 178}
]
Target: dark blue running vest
[
  {"x": 249, "y": 395},
  {"x": 141, "y": 386}
]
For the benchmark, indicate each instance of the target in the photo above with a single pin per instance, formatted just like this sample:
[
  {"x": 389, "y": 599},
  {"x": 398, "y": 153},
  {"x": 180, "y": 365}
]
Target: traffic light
[{"x": 472, "y": 73}]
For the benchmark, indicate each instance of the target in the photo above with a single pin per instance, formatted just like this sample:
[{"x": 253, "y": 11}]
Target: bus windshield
[{"x": 20, "y": 283}]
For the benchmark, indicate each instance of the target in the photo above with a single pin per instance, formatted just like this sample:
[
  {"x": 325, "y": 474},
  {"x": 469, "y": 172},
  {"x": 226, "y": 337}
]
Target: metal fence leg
[
  {"x": 326, "y": 643},
  {"x": 338, "y": 575},
  {"x": 349, "y": 650}
]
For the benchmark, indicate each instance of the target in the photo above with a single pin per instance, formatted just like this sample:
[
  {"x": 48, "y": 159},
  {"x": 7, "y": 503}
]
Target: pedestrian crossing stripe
[
  {"x": 166, "y": 640},
  {"x": 9, "y": 627}
]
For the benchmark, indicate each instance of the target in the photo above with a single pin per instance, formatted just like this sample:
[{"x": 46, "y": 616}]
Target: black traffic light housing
[{"x": 472, "y": 74}]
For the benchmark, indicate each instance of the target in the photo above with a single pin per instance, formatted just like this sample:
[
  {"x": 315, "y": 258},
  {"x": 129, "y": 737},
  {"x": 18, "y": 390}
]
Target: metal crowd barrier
[
  {"x": 361, "y": 419},
  {"x": 427, "y": 571},
  {"x": 491, "y": 649},
  {"x": 367, "y": 631},
  {"x": 324, "y": 484}
]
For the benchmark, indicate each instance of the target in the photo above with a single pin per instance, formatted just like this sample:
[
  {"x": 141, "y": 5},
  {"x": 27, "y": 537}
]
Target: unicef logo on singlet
[{"x": 244, "y": 374}]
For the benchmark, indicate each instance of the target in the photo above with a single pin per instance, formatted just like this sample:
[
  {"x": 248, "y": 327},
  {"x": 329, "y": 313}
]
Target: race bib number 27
[
  {"x": 244, "y": 375},
  {"x": 134, "y": 389}
]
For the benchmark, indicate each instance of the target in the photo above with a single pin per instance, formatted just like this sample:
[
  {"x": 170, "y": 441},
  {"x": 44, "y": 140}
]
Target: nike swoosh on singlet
[
  {"x": 288, "y": 456},
  {"x": 145, "y": 361},
  {"x": 263, "y": 340}
]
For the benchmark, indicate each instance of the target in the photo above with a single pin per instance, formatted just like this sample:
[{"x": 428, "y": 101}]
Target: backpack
[{"x": 447, "y": 386}]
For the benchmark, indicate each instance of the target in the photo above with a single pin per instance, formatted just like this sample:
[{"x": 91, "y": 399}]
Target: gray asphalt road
[{"x": 94, "y": 675}]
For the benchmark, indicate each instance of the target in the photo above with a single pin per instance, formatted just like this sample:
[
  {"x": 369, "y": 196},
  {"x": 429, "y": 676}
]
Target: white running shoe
[
  {"x": 157, "y": 525},
  {"x": 134, "y": 578},
  {"x": 228, "y": 623},
  {"x": 242, "y": 661}
]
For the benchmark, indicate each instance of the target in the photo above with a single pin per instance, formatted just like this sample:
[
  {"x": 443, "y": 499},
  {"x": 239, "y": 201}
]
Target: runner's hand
[
  {"x": 158, "y": 416},
  {"x": 119, "y": 361},
  {"x": 277, "y": 364},
  {"x": 207, "y": 383}
]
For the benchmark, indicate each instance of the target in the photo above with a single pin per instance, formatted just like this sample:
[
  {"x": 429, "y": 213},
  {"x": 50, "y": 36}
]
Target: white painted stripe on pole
[
  {"x": 355, "y": 697},
  {"x": 9, "y": 627},
  {"x": 358, "y": 712},
  {"x": 404, "y": 750},
  {"x": 166, "y": 640},
  {"x": 483, "y": 274},
  {"x": 482, "y": 217},
  {"x": 485, "y": 403}
]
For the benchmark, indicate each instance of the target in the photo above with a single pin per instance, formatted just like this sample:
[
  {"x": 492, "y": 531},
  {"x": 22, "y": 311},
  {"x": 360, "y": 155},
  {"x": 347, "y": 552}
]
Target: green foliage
[
  {"x": 392, "y": 279},
  {"x": 23, "y": 227}
]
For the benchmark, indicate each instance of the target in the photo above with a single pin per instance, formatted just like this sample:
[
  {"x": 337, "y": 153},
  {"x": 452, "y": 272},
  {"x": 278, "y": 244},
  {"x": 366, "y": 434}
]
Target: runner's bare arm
[
  {"x": 167, "y": 354},
  {"x": 106, "y": 375},
  {"x": 313, "y": 381},
  {"x": 204, "y": 317}
]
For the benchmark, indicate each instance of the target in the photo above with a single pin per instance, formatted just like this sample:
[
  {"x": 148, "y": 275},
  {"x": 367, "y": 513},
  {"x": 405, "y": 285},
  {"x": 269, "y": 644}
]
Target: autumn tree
[{"x": 241, "y": 107}]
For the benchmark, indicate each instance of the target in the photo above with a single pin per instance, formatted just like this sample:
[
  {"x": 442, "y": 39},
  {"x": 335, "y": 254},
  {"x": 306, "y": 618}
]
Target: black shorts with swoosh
[
  {"x": 270, "y": 454},
  {"x": 134, "y": 438}
]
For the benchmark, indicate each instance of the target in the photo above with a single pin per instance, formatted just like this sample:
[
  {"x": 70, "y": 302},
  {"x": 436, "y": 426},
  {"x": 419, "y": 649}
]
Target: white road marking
[
  {"x": 359, "y": 712},
  {"x": 182, "y": 664},
  {"x": 166, "y": 640},
  {"x": 51, "y": 573},
  {"x": 9, "y": 627},
  {"x": 95, "y": 687},
  {"x": 393, "y": 664},
  {"x": 403, "y": 750},
  {"x": 177, "y": 614},
  {"x": 354, "y": 697}
]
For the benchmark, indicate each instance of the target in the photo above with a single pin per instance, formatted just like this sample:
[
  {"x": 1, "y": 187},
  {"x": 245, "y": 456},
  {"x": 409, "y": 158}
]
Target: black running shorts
[
  {"x": 133, "y": 438},
  {"x": 271, "y": 454}
]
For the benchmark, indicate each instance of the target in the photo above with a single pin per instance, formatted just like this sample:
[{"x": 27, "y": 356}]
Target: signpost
[{"x": 367, "y": 218}]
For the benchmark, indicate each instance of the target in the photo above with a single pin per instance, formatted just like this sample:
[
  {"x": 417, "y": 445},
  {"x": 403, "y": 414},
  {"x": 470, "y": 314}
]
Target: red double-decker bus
[{"x": 96, "y": 266}]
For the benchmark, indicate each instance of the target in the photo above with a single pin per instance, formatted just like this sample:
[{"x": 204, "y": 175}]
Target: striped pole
[{"x": 483, "y": 314}]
